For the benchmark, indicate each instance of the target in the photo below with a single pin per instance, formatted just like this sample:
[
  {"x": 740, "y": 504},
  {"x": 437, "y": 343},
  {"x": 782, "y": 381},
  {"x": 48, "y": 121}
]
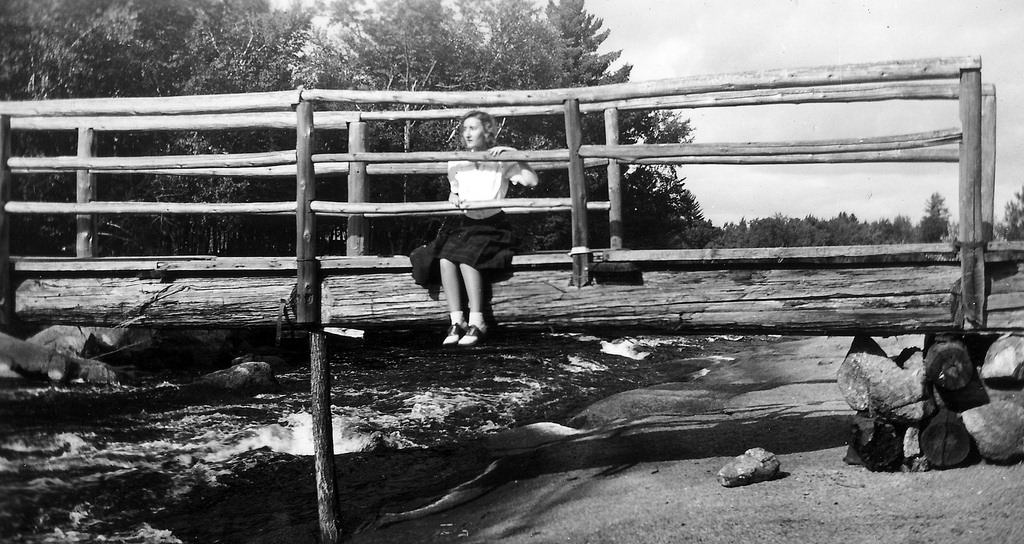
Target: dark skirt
[{"x": 485, "y": 244}]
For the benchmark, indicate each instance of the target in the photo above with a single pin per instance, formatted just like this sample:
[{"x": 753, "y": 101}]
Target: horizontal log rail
[
  {"x": 143, "y": 208},
  {"x": 508, "y": 205},
  {"x": 892, "y": 71},
  {"x": 257, "y": 265},
  {"x": 898, "y": 155},
  {"x": 878, "y": 254},
  {"x": 322, "y": 169},
  {"x": 444, "y": 156},
  {"x": 116, "y": 164},
  {"x": 625, "y": 153},
  {"x": 628, "y": 153},
  {"x": 326, "y": 207},
  {"x": 331, "y": 120},
  {"x": 861, "y": 92},
  {"x": 909, "y": 253},
  {"x": 338, "y": 120},
  {"x": 155, "y": 105}
]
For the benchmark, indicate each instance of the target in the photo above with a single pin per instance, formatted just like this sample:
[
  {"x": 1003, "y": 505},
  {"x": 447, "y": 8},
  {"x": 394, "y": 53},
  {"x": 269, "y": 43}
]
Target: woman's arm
[
  {"x": 453, "y": 181},
  {"x": 520, "y": 172}
]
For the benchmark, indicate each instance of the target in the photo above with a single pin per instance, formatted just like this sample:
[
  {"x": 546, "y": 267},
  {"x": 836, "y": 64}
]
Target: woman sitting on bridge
[{"x": 478, "y": 249}]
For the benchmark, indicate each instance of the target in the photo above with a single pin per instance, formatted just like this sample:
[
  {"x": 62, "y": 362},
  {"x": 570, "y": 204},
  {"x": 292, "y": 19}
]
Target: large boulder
[
  {"x": 668, "y": 398},
  {"x": 93, "y": 341},
  {"x": 31, "y": 360},
  {"x": 869, "y": 380},
  {"x": 253, "y": 376},
  {"x": 1004, "y": 360},
  {"x": 998, "y": 430}
]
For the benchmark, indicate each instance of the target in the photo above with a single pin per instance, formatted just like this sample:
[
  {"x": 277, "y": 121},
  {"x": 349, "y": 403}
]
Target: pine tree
[
  {"x": 934, "y": 226},
  {"x": 581, "y": 38},
  {"x": 1013, "y": 218}
]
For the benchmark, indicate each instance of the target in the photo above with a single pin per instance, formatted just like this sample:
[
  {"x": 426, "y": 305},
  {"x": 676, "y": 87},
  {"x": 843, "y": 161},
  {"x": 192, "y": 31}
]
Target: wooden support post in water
[
  {"x": 578, "y": 194},
  {"x": 307, "y": 313},
  {"x": 357, "y": 225},
  {"x": 971, "y": 231},
  {"x": 323, "y": 438},
  {"x": 85, "y": 189},
  {"x": 611, "y": 137},
  {"x": 6, "y": 295},
  {"x": 988, "y": 162}
]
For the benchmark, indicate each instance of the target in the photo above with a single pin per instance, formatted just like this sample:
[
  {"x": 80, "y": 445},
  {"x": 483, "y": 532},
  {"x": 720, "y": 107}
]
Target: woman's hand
[
  {"x": 499, "y": 149},
  {"x": 455, "y": 199}
]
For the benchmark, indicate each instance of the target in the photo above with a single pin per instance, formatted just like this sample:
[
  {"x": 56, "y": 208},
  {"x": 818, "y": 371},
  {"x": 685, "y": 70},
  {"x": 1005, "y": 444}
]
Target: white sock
[
  {"x": 458, "y": 318},
  {"x": 477, "y": 318}
]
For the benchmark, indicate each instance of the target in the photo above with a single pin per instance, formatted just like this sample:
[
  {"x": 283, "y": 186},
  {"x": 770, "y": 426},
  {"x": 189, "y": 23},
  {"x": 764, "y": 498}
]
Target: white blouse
[{"x": 481, "y": 180}]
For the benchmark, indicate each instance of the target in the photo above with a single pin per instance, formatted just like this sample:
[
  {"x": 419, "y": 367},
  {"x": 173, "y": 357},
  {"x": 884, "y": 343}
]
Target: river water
[{"x": 157, "y": 460}]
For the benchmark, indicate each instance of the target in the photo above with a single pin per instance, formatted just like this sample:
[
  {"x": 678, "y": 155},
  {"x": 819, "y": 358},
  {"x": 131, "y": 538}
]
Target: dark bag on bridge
[{"x": 426, "y": 267}]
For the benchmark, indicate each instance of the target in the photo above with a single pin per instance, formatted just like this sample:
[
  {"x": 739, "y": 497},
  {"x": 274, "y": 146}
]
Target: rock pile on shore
[{"x": 959, "y": 399}]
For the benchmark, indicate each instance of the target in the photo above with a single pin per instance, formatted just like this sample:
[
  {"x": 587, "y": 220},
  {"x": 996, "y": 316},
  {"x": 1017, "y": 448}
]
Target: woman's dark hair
[{"x": 488, "y": 122}]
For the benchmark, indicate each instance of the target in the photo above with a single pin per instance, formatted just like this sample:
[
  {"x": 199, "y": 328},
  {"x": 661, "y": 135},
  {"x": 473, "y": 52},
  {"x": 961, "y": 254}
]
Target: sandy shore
[{"x": 648, "y": 473}]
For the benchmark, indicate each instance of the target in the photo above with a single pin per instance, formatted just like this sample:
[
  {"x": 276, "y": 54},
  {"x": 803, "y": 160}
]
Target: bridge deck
[{"x": 880, "y": 289}]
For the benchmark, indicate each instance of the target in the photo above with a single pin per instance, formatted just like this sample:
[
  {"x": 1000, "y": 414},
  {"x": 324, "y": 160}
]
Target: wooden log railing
[
  {"x": 955, "y": 78},
  {"x": 908, "y": 80},
  {"x": 917, "y": 80}
]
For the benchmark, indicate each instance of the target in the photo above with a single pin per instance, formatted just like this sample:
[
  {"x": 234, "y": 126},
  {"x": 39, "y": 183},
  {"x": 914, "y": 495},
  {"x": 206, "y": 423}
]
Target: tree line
[
  {"x": 111, "y": 48},
  {"x": 104, "y": 48}
]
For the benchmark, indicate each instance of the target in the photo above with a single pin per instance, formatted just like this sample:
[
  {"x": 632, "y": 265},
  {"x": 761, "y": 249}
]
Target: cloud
[{"x": 674, "y": 38}]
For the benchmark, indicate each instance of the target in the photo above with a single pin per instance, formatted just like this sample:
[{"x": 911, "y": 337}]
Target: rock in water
[
  {"x": 273, "y": 360},
  {"x": 96, "y": 372},
  {"x": 250, "y": 376},
  {"x": 755, "y": 465},
  {"x": 997, "y": 429}
]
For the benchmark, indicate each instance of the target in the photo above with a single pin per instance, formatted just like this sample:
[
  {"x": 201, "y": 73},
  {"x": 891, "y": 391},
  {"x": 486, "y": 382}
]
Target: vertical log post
[
  {"x": 307, "y": 299},
  {"x": 307, "y": 312},
  {"x": 988, "y": 161},
  {"x": 85, "y": 189},
  {"x": 6, "y": 298},
  {"x": 972, "y": 251},
  {"x": 611, "y": 137},
  {"x": 357, "y": 228},
  {"x": 323, "y": 438},
  {"x": 578, "y": 194}
]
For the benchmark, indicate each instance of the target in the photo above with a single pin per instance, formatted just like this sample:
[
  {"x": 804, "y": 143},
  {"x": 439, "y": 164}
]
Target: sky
[{"x": 678, "y": 38}]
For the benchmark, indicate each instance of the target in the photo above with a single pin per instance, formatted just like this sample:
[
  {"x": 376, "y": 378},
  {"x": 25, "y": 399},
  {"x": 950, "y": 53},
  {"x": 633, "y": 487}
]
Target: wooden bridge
[
  {"x": 971, "y": 284},
  {"x": 974, "y": 284}
]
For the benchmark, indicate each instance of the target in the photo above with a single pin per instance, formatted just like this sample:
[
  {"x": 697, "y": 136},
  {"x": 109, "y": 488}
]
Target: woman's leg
[
  {"x": 475, "y": 292},
  {"x": 474, "y": 287},
  {"x": 451, "y": 280},
  {"x": 452, "y": 283}
]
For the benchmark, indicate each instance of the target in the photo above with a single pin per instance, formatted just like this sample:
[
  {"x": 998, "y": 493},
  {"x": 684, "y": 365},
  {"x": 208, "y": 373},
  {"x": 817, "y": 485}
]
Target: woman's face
[{"x": 474, "y": 135}]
